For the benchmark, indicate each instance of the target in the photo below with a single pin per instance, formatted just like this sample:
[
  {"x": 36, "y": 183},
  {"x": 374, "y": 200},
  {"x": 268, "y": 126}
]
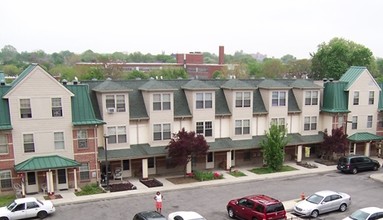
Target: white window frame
[
  {"x": 242, "y": 99},
  {"x": 311, "y": 97},
  {"x": 369, "y": 121},
  {"x": 354, "y": 124},
  {"x": 116, "y": 102},
  {"x": 279, "y": 121},
  {"x": 161, "y": 132},
  {"x": 4, "y": 144},
  {"x": 84, "y": 171},
  {"x": 204, "y": 100},
  {"x": 28, "y": 142},
  {"x": 310, "y": 123},
  {"x": 356, "y": 98},
  {"x": 242, "y": 127},
  {"x": 59, "y": 140},
  {"x": 278, "y": 98},
  {"x": 117, "y": 134},
  {"x": 57, "y": 110},
  {"x": 5, "y": 179},
  {"x": 25, "y": 108},
  {"x": 82, "y": 139},
  {"x": 204, "y": 128},
  {"x": 371, "y": 97},
  {"x": 161, "y": 102}
]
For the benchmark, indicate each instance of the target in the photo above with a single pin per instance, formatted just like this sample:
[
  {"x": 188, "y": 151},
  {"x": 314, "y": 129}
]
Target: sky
[{"x": 271, "y": 27}]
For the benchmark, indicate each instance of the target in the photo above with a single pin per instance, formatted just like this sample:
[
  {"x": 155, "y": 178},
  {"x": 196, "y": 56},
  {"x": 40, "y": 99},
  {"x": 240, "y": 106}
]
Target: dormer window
[
  {"x": 116, "y": 102},
  {"x": 57, "y": 110},
  {"x": 242, "y": 99},
  {"x": 161, "y": 102},
  {"x": 204, "y": 100},
  {"x": 278, "y": 98}
]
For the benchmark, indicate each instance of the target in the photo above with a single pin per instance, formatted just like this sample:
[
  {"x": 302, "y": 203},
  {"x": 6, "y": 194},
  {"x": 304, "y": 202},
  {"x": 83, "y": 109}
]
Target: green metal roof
[
  {"x": 380, "y": 103},
  {"x": 82, "y": 110},
  {"x": 5, "y": 120},
  {"x": 2, "y": 76},
  {"x": 351, "y": 75},
  {"x": 135, "y": 151},
  {"x": 364, "y": 137},
  {"x": 336, "y": 98},
  {"x": 45, "y": 163}
]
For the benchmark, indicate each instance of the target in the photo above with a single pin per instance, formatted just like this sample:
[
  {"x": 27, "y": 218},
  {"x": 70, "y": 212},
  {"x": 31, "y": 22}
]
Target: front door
[
  {"x": 31, "y": 183},
  {"x": 62, "y": 182}
]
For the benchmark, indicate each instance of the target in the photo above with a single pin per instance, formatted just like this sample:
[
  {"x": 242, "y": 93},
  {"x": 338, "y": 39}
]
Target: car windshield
[
  {"x": 316, "y": 199},
  {"x": 11, "y": 206},
  {"x": 359, "y": 215}
]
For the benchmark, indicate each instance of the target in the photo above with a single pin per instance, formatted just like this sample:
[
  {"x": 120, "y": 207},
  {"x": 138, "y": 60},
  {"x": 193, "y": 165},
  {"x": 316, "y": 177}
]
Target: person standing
[{"x": 158, "y": 198}]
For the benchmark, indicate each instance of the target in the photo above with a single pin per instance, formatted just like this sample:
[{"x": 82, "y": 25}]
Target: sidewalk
[{"x": 68, "y": 197}]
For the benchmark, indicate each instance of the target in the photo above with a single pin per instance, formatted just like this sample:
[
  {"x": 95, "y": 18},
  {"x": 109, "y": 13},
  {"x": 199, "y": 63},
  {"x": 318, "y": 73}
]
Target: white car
[
  {"x": 368, "y": 213},
  {"x": 29, "y": 207},
  {"x": 322, "y": 202},
  {"x": 185, "y": 215}
]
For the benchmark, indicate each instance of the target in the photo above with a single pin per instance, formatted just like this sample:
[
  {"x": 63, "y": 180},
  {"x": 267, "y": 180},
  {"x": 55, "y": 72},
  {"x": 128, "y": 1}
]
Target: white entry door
[{"x": 62, "y": 179}]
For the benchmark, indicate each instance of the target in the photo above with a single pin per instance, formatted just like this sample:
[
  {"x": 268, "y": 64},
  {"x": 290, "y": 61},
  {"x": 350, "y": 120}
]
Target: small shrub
[
  {"x": 265, "y": 170},
  {"x": 207, "y": 175},
  {"x": 237, "y": 173},
  {"x": 89, "y": 189}
]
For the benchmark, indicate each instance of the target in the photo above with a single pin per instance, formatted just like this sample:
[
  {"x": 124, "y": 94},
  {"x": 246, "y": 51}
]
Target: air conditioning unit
[{"x": 111, "y": 110}]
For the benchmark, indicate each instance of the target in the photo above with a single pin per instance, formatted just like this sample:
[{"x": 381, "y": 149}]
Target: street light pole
[{"x": 106, "y": 162}]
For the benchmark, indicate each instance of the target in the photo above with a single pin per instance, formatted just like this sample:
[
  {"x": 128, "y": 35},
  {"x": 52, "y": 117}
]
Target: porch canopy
[
  {"x": 46, "y": 163},
  {"x": 364, "y": 137}
]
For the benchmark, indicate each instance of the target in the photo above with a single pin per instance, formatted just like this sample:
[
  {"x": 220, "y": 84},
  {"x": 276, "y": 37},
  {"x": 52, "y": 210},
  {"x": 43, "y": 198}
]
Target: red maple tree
[{"x": 336, "y": 143}]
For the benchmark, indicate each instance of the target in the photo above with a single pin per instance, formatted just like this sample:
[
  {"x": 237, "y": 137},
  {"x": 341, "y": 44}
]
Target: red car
[{"x": 256, "y": 207}]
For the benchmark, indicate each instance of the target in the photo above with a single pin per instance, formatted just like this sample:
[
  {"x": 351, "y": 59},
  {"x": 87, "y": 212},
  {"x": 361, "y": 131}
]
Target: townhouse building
[{"x": 59, "y": 135}]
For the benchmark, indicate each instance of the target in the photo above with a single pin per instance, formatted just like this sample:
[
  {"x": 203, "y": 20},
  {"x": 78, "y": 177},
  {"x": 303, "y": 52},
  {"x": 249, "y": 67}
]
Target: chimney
[{"x": 221, "y": 56}]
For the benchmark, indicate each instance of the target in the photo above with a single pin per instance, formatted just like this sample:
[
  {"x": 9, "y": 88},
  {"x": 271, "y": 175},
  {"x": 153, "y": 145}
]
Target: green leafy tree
[
  {"x": 136, "y": 74},
  {"x": 8, "y": 55},
  {"x": 186, "y": 146},
  {"x": 11, "y": 70},
  {"x": 273, "y": 146},
  {"x": 273, "y": 68},
  {"x": 288, "y": 58},
  {"x": 65, "y": 72},
  {"x": 333, "y": 59}
]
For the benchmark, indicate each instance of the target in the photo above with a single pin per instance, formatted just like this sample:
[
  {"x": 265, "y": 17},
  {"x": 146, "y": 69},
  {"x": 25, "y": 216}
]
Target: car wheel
[
  {"x": 230, "y": 212},
  {"x": 343, "y": 207},
  {"x": 4, "y": 218},
  {"x": 375, "y": 168},
  {"x": 355, "y": 171},
  {"x": 314, "y": 213},
  {"x": 42, "y": 214}
]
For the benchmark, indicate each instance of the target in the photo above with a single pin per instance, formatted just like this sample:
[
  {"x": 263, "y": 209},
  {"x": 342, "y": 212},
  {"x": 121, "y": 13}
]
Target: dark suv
[
  {"x": 256, "y": 207},
  {"x": 149, "y": 215},
  {"x": 355, "y": 163}
]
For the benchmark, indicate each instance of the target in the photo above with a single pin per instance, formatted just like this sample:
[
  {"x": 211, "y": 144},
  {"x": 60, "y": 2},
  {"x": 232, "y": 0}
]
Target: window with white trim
[
  {"x": 161, "y": 132},
  {"x": 279, "y": 121},
  {"x": 242, "y": 99},
  {"x": 117, "y": 135},
  {"x": 369, "y": 121},
  {"x": 371, "y": 96},
  {"x": 242, "y": 127},
  {"x": 82, "y": 138},
  {"x": 204, "y": 100},
  {"x": 115, "y": 102},
  {"x": 25, "y": 108},
  {"x": 57, "y": 110},
  {"x": 204, "y": 128},
  {"x": 29, "y": 145},
  {"x": 354, "y": 124},
  {"x": 161, "y": 102},
  {"x": 3, "y": 144},
  {"x": 278, "y": 98},
  {"x": 356, "y": 98},
  {"x": 311, "y": 97},
  {"x": 84, "y": 171},
  {"x": 5, "y": 179},
  {"x": 59, "y": 140},
  {"x": 340, "y": 121},
  {"x": 310, "y": 123}
]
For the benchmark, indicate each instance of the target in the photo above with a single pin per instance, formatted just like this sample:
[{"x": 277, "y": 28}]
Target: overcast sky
[{"x": 271, "y": 27}]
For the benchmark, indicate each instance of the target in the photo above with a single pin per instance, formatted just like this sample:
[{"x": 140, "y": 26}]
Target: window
[
  {"x": 29, "y": 145},
  {"x": 32, "y": 205},
  {"x": 204, "y": 128},
  {"x": 31, "y": 177},
  {"x": 59, "y": 140},
  {"x": 369, "y": 121},
  {"x": 161, "y": 102},
  {"x": 209, "y": 157},
  {"x": 371, "y": 96},
  {"x": 25, "y": 108},
  {"x": 242, "y": 127},
  {"x": 204, "y": 100},
  {"x": 117, "y": 135},
  {"x": 340, "y": 121},
  {"x": 310, "y": 123},
  {"x": 151, "y": 162},
  {"x": 82, "y": 139},
  {"x": 311, "y": 98},
  {"x": 161, "y": 132},
  {"x": 116, "y": 102},
  {"x": 278, "y": 121},
  {"x": 3, "y": 144},
  {"x": 242, "y": 99},
  {"x": 278, "y": 98},
  {"x": 354, "y": 124},
  {"x": 57, "y": 110},
  {"x": 5, "y": 179},
  {"x": 84, "y": 171},
  {"x": 356, "y": 98},
  {"x": 126, "y": 165}
]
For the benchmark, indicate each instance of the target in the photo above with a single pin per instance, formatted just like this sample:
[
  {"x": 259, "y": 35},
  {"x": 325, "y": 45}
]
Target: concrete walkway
[{"x": 68, "y": 197}]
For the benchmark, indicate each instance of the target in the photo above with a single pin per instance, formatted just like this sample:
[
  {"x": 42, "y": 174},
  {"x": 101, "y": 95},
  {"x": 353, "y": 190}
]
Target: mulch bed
[
  {"x": 182, "y": 180},
  {"x": 307, "y": 165},
  {"x": 116, "y": 187},
  {"x": 58, "y": 196},
  {"x": 151, "y": 182}
]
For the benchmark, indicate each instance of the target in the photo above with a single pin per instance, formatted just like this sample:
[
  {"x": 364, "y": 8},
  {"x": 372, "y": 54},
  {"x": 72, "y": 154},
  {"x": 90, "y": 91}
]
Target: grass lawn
[
  {"x": 266, "y": 170},
  {"x": 6, "y": 200},
  {"x": 236, "y": 173},
  {"x": 89, "y": 189}
]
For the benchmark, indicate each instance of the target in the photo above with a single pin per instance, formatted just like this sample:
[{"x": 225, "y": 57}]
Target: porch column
[
  {"x": 354, "y": 148},
  {"x": 75, "y": 179},
  {"x": 23, "y": 187},
  {"x": 367, "y": 149},
  {"x": 228, "y": 160},
  {"x": 299, "y": 153},
  {"x": 145, "y": 168},
  {"x": 189, "y": 167},
  {"x": 48, "y": 182},
  {"x": 50, "y": 185}
]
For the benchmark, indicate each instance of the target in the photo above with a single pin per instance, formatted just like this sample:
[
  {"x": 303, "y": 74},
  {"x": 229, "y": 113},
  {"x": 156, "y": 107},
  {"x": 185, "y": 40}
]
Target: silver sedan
[{"x": 322, "y": 202}]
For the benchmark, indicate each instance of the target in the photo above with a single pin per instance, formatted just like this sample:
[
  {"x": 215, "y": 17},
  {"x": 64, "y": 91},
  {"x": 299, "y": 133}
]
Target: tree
[
  {"x": 185, "y": 146},
  {"x": 273, "y": 145},
  {"x": 8, "y": 55},
  {"x": 273, "y": 68},
  {"x": 336, "y": 143},
  {"x": 333, "y": 59}
]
